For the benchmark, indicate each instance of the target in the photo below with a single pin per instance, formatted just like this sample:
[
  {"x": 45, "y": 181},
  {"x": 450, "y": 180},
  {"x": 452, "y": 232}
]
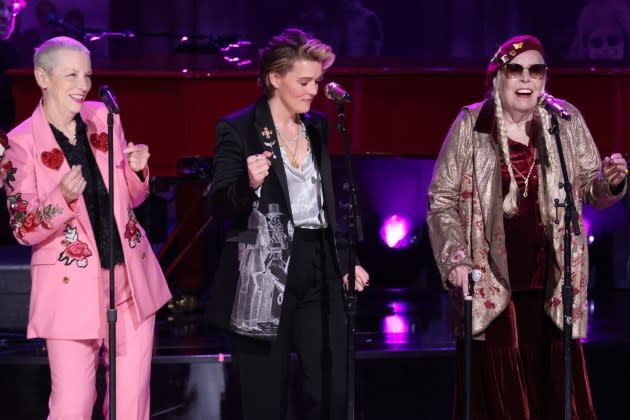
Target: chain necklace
[
  {"x": 526, "y": 178},
  {"x": 284, "y": 142}
]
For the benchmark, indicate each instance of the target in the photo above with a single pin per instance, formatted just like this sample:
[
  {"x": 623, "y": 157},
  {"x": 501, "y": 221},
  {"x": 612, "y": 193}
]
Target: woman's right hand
[
  {"x": 258, "y": 168},
  {"x": 458, "y": 277},
  {"x": 3, "y": 172},
  {"x": 72, "y": 184}
]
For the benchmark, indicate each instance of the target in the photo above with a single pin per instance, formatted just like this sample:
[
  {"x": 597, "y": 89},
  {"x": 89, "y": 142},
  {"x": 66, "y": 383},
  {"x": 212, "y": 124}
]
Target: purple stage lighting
[{"x": 395, "y": 231}]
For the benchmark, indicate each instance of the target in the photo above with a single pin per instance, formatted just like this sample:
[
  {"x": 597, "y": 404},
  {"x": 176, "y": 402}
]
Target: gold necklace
[
  {"x": 284, "y": 143},
  {"x": 526, "y": 178}
]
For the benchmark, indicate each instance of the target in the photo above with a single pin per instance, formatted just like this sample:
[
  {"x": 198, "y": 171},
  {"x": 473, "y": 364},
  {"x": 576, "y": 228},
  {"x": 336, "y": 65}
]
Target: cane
[{"x": 473, "y": 277}]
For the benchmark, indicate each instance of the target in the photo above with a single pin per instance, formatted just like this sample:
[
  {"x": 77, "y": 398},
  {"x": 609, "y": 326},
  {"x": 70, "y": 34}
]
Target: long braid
[{"x": 510, "y": 201}]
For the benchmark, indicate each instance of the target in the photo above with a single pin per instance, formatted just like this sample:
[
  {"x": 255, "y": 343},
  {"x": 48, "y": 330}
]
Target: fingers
[
  {"x": 362, "y": 279},
  {"x": 615, "y": 168},
  {"x": 258, "y": 168},
  {"x": 72, "y": 184},
  {"x": 137, "y": 156},
  {"x": 131, "y": 148},
  {"x": 458, "y": 277}
]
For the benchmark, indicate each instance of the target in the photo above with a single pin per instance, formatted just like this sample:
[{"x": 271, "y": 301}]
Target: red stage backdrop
[{"x": 395, "y": 112}]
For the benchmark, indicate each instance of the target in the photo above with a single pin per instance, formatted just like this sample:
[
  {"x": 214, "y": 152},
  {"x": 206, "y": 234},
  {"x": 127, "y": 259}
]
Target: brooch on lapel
[
  {"x": 99, "y": 141},
  {"x": 267, "y": 133},
  {"x": 53, "y": 159}
]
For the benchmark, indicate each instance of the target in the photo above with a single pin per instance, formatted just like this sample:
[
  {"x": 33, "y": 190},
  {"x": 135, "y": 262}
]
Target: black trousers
[{"x": 313, "y": 325}]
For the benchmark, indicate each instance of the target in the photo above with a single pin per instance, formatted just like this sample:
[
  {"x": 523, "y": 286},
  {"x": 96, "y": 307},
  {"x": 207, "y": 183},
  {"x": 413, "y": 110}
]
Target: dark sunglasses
[{"x": 536, "y": 71}]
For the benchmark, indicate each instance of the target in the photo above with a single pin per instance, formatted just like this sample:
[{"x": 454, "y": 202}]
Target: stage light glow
[
  {"x": 395, "y": 324},
  {"x": 395, "y": 231}
]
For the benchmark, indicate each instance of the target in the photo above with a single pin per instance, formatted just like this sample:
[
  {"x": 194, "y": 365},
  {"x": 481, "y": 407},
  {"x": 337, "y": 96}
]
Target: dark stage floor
[
  {"x": 404, "y": 360},
  {"x": 404, "y": 369}
]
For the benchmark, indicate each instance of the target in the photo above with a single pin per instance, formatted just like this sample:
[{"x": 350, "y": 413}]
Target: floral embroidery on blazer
[
  {"x": 75, "y": 249},
  {"x": 23, "y": 221},
  {"x": 132, "y": 233}
]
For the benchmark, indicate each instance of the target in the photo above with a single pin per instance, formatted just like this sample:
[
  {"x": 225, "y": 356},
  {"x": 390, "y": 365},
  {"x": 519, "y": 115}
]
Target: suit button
[
  {"x": 144, "y": 255},
  {"x": 66, "y": 280}
]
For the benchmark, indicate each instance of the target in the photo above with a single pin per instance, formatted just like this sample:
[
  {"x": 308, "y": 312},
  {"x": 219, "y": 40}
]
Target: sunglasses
[{"x": 536, "y": 71}]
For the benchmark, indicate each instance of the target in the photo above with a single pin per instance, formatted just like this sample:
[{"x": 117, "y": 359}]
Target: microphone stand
[
  {"x": 570, "y": 220},
  {"x": 354, "y": 234},
  {"x": 111, "y": 312}
]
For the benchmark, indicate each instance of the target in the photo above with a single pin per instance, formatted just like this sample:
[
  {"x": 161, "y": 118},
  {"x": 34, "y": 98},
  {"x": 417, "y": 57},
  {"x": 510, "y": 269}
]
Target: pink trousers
[{"x": 73, "y": 364}]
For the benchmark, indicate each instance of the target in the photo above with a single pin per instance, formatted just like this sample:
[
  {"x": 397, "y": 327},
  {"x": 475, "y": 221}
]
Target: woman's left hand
[
  {"x": 615, "y": 169},
  {"x": 137, "y": 156},
  {"x": 362, "y": 279}
]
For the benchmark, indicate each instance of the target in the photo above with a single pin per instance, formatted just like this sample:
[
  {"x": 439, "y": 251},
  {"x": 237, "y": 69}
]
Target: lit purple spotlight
[
  {"x": 395, "y": 324},
  {"x": 395, "y": 231}
]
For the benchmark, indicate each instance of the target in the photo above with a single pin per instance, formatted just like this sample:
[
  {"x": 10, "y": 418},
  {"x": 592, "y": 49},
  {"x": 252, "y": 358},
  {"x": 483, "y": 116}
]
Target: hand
[
  {"x": 72, "y": 184},
  {"x": 3, "y": 172},
  {"x": 258, "y": 168},
  {"x": 137, "y": 156},
  {"x": 362, "y": 279},
  {"x": 615, "y": 169},
  {"x": 458, "y": 277}
]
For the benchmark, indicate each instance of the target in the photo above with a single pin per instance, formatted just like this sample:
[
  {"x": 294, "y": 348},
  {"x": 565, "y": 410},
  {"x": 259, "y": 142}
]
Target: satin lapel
[
  {"x": 266, "y": 134},
  {"x": 322, "y": 160},
  {"x": 44, "y": 141}
]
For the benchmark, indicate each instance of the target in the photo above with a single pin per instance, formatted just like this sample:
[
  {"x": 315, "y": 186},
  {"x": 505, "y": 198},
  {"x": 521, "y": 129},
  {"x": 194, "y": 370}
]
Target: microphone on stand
[
  {"x": 552, "y": 105},
  {"x": 108, "y": 98},
  {"x": 336, "y": 93}
]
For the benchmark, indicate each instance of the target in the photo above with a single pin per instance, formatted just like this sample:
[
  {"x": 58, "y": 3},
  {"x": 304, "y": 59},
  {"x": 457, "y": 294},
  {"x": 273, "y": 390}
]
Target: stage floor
[{"x": 404, "y": 362}]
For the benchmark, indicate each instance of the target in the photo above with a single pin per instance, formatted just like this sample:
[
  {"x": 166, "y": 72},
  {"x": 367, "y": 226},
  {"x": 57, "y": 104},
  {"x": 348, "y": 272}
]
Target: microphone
[
  {"x": 550, "y": 103},
  {"x": 108, "y": 98},
  {"x": 336, "y": 93}
]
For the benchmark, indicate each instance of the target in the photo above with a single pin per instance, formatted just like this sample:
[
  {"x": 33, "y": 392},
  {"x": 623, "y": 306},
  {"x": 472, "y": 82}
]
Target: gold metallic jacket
[{"x": 465, "y": 216}]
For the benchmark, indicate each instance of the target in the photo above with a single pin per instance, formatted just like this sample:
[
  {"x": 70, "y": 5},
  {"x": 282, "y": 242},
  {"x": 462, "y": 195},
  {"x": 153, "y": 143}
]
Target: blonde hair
[
  {"x": 510, "y": 201},
  {"x": 285, "y": 49},
  {"x": 46, "y": 54}
]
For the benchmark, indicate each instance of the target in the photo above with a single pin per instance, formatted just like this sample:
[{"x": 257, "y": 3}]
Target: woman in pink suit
[{"x": 57, "y": 188}]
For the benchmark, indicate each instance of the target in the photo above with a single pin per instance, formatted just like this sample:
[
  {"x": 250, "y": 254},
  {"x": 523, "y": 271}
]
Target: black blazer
[{"x": 239, "y": 135}]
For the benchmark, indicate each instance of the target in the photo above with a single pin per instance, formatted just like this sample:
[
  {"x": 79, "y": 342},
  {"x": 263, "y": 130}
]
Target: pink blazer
[{"x": 67, "y": 299}]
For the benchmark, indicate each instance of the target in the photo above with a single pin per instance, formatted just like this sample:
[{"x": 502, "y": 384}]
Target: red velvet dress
[{"x": 517, "y": 371}]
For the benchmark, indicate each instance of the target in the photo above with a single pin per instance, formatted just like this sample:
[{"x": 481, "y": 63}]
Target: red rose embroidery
[
  {"x": 75, "y": 249},
  {"x": 466, "y": 194},
  {"x": 53, "y": 159},
  {"x": 78, "y": 250},
  {"x": 99, "y": 141},
  {"x": 489, "y": 305},
  {"x": 17, "y": 205},
  {"x": 132, "y": 233},
  {"x": 131, "y": 229},
  {"x": 555, "y": 302}
]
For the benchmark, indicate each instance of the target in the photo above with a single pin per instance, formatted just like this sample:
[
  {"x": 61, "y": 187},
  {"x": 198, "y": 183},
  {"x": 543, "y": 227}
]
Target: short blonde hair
[
  {"x": 46, "y": 54},
  {"x": 283, "y": 50}
]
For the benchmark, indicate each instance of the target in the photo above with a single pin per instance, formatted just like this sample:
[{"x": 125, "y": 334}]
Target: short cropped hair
[
  {"x": 46, "y": 54},
  {"x": 283, "y": 50}
]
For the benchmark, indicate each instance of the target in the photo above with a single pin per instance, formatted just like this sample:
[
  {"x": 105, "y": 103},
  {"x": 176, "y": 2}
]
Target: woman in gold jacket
[{"x": 492, "y": 208}]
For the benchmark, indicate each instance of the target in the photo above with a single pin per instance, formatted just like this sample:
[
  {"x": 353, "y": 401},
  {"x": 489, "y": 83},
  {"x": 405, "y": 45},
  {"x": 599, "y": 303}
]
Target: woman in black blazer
[{"x": 278, "y": 285}]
